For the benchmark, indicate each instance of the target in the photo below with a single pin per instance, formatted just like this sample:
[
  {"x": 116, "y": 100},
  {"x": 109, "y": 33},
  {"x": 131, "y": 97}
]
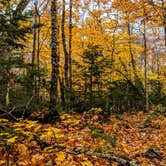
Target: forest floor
[{"x": 78, "y": 140}]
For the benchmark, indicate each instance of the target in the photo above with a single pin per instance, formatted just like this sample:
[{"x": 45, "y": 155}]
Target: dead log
[{"x": 79, "y": 150}]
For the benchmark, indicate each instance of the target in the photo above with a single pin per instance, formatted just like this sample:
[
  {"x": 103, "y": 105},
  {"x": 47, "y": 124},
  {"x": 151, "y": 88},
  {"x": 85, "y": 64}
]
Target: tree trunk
[
  {"x": 54, "y": 58},
  {"x": 62, "y": 89},
  {"x": 7, "y": 94},
  {"x": 145, "y": 65},
  {"x": 38, "y": 59},
  {"x": 4, "y": 75},
  {"x": 131, "y": 53},
  {"x": 91, "y": 81},
  {"x": 34, "y": 51},
  {"x": 66, "y": 54},
  {"x": 21, "y": 6},
  {"x": 70, "y": 46}
]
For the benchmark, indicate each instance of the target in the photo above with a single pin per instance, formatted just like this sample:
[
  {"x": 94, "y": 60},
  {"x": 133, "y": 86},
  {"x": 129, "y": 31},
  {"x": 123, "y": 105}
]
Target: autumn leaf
[
  {"x": 12, "y": 140},
  {"x": 86, "y": 163},
  {"x": 60, "y": 156},
  {"x": 2, "y": 162}
]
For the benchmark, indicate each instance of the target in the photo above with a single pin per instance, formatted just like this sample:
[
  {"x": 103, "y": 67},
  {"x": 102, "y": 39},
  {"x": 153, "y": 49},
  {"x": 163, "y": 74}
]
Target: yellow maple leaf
[
  {"x": 12, "y": 140},
  {"x": 58, "y": 135},
  {"x": 60, "y": 156},
  {"x": 126, "y": 151}
]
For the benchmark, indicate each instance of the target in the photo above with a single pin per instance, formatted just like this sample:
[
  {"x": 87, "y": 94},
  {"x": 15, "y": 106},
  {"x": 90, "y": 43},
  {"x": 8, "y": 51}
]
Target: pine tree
[{"x": 11, "y": 35}]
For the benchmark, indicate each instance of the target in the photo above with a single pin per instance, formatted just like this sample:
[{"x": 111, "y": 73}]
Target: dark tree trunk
[
  {"x": 70, "y": 46},
  {"x": 91, "y": 81},
  {"x": 38, "y": 59},
  {"x": 131, "y": 53},
  {"x": 66, "y": 66},
  {"x": 4, "y": 76},
  {"x": 54, "y": 59},
  {"x": 62, "y": 89},
  {"x": 66, "y": 54}
]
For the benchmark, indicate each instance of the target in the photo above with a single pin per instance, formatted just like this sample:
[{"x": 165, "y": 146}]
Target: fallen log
[
  {"x": 79, "y": 150},
  {"x": 151, "y": 153}
]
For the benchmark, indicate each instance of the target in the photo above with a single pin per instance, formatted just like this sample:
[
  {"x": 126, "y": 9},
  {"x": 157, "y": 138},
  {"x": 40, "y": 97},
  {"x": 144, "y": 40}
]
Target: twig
[{"x": 9, "y": 113}]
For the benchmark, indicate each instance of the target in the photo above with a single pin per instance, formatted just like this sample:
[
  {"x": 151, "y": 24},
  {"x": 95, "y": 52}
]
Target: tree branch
[{"x": 20, "y": 7}]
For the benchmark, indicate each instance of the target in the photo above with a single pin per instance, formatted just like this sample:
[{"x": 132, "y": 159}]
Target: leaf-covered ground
[{"x": 27, "y": 142}]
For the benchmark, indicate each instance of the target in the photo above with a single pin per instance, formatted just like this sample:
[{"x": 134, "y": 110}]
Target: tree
[
  {"x": 34, "y": 49},
  {"x": 12, "y": 32},
  {"x": 66, "y": 54},
  {"x": 92, "y": 57},
  {"x": 54, "y": 59},
  {"x": 70, "y": 45},
  {"x": 145, "y": 60}
]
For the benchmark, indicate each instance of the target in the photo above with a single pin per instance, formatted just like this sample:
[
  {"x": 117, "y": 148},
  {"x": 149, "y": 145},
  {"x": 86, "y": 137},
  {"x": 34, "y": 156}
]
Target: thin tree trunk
[
  {"x": 3, "y": 81},
  {"x": 85, "y": 87},
  {"x": 146, "y": 65},
  {"x": 70, "y": 46},
  {"x": 62, "y": 90},
  {"x": 112, "y": 55},
  {"x": 38, "y": 58},
  {"x": 54, "y": 58},
  {"x": 7, "y": 94},
  {"x": 158, "y": 70},
  {"x": 34, "y": 50},
  {"x": 91, "y": 81},
  {"x": 66, "y": 64},
  {"x": 131, "y": 53}
]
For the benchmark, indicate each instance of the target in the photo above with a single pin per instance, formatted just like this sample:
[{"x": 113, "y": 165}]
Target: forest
[{"x": 82, "y": 82}]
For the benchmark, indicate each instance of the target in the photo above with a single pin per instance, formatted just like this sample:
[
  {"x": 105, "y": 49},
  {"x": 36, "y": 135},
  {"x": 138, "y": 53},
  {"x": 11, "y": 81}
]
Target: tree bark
[
  {"x": 66, "y": 54},
  {"x": 70, "y": 46},
  {"x": 145, "y": 63},
  {"x": 34, "y": 51},
  {"x": 131, "y": 52},
  {"x": 54, "y": 58},
  {"x": 91, "y": 80},
  {"x": 38, "y": 58},
  {"x": 20, "y": 7}
]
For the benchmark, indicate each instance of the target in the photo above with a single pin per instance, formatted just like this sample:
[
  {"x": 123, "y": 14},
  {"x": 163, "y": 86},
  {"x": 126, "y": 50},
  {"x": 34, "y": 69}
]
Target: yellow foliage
[
  {"x": 12, "y": 140},
  {"x": 2, "y": 162},
  {"x": 52, "y": 132},
  {"x": 72, "y": 121},
  {"x": 60, "y": 156},
  {"x": 86, "y": 163}
]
